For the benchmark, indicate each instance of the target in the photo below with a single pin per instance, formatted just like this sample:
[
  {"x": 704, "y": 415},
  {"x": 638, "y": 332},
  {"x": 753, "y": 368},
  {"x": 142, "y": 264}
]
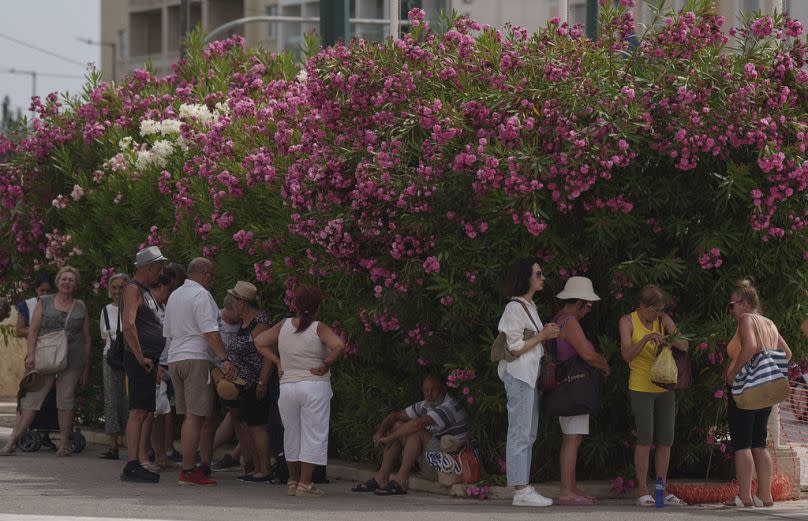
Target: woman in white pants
[{"x": 304, "y": 350}]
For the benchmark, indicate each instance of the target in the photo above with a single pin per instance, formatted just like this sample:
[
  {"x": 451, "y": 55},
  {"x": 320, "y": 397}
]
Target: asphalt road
[{"x": 40, "y": 486}]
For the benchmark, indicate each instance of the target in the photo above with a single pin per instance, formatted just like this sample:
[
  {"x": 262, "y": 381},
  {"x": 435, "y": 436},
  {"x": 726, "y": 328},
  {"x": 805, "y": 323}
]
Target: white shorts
[
  {"x": 305, "y": 409},
  {"x": 574, "y": 424}
]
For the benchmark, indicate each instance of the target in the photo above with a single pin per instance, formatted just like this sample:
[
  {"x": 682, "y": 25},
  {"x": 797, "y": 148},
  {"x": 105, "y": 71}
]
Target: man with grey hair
[
  {"x": 143, "y": 344},
  {"x": 191, "y": 324}
]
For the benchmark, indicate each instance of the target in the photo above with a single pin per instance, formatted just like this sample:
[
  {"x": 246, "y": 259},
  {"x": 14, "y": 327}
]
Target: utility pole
[
  {"x": 334, "y": 23},
  {"x": 33, "y": 82},
  {"x": 113, "y": 47},
  {"x": 185, "y": 23},
  {"x": 592, "y": 18}
]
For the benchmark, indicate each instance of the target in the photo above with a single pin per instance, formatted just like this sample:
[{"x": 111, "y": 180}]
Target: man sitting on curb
[{"x": 413, "y": 431}]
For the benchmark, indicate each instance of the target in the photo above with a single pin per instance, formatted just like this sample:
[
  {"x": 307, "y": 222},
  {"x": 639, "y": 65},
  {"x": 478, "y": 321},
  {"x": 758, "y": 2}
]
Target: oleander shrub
[{"x": 403, "y": 177}]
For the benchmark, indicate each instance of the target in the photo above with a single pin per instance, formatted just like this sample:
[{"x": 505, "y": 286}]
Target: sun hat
[
  {"x": 226, "y": 389},
  {"x": 578, "y": 288},
  {"x": 32, "y": 381},
  {"x": 244, "y": 290},
  {"x": 149, "y": 255}
]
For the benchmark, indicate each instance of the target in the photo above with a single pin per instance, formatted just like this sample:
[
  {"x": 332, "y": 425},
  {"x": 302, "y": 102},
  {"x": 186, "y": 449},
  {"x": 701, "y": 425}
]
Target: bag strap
[
  {"x": 761, "y": 345},
  {"x": 106, "y": 321},
  {"x": 70, "y": 312},
  {"x": 524, "y": 306}
]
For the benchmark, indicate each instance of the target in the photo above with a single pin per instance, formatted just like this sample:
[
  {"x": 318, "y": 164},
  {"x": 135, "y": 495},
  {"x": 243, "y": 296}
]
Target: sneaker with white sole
[{"x": 528, "y": 497}]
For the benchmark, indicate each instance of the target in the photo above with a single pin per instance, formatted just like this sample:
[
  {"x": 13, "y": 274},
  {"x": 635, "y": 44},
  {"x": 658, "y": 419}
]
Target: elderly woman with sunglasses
[{"x": 642, "y": 332}]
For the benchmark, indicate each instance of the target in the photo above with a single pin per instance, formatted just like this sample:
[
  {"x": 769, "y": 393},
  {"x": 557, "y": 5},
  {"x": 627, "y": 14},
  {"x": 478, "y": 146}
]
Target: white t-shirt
[
  {"x": 190, "y": 313},
  {"x": 513, "y": 323},
  {"x": 108, "y": 337}
]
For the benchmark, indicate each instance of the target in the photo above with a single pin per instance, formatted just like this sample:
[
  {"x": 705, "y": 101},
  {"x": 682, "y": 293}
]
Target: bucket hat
[
  {"x": 226, "y": 389},
  {"x": 149, "y": 255},
  {"x": 32, "y": 381},
  {"x": 244, "y": 290},
  {"x": 578, "y": 288}
]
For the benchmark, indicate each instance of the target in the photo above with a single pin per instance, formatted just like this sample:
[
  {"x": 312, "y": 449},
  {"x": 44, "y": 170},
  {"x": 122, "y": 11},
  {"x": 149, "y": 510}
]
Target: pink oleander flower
[{"x": 719, "y": 393}]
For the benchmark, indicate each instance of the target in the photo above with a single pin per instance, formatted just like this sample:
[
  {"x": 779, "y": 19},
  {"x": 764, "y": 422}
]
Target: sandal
[
  {"x": 391, "y": 489},
  {"x": 646, "y": 501},
  {"x": 575, "y": 501},
  {"x": 291, "y": 488},
  {"x": 673, "y": 501},
  {"x": 64, "y": 451},
  {"x": 759, "y": 503},
  {"x": 151, "y": 467},
  {"x": 738, "y": 502},
  {"x": 370, "y": 485},
  {"x": 8, "y": 451}
]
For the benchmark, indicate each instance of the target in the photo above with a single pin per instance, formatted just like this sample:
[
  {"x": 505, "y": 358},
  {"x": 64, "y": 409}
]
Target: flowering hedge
[{"x": 404, "y": 177}]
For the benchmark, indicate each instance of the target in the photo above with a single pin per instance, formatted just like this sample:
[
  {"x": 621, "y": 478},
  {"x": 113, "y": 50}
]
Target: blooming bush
[{"x": 404, "y": 177}]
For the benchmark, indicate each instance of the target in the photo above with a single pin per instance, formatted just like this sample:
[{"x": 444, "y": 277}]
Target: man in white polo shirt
[{"x": 191, "y": 322}]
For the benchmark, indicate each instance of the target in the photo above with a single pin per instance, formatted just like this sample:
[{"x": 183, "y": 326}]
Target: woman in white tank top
[{"x": 304, "y": 350}]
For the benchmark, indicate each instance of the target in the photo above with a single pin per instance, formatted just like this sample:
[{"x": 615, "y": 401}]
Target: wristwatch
[{"x": 261, "y": 383}]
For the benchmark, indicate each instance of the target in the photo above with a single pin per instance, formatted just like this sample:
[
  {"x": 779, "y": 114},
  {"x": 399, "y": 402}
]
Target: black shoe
[
  {"x": 137, "y": 474},
  {"x": 46, "y": 443},
  {"x": 109, "y": 454},
  {"x": 227, "y": 462},
  {"x": 249, "y": 478}
]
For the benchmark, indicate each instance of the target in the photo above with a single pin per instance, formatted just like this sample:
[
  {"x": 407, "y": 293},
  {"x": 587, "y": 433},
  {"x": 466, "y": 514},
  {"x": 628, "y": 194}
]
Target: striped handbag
[{"x": 763, "y": 381}]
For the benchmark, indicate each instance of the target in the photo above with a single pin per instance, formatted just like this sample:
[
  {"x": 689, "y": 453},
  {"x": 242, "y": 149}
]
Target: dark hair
[
  {"x": 517, "y": 280},
  {"x": 173, "y": 276},
  {"x": 307, "y": 302},
  {"x": 41, "y": 278},
  {"x": 745, "y": 291}
]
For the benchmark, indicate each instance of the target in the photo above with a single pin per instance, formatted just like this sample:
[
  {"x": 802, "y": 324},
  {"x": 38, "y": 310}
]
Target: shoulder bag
[
  {"x": 499, "y": 349},
  {"x": 51, "y": 348},
  {"x": 762, "y": 382},
  {"x": 577, "y": 389},
  {"x": 114, "y": 356}
]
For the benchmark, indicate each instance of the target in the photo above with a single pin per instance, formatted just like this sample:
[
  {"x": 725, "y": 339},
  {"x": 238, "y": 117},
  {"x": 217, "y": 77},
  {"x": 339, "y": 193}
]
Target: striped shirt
[{"x": 450, "y": 418}]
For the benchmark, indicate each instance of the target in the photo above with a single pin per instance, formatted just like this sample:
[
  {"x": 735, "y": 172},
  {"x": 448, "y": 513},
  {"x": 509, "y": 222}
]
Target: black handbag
[
  {"x": 114, "y": 356},
  {"x": 577, "y": 389}
]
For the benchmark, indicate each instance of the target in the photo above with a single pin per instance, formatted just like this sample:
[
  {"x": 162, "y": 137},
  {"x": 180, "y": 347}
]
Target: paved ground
[{"x": 40, "y": 486}]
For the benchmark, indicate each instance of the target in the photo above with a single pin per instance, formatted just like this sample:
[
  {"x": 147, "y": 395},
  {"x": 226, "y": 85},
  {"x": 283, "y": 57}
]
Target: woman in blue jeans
[{"x": 524, "y": 279}]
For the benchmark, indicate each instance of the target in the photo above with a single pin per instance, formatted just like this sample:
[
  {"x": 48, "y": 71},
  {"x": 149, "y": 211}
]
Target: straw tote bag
[
  {"x": 762, "y": 382},
  {"x": 51, "y": 349}
]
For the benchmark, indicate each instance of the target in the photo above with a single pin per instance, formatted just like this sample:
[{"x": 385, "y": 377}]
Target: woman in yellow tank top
[{"x": 654, "y": 408}]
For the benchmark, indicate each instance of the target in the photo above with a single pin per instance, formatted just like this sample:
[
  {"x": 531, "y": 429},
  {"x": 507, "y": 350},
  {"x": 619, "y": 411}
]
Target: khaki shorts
[
  {"x": 66, "y": 383},
  {"x": 193, "y": 389}
]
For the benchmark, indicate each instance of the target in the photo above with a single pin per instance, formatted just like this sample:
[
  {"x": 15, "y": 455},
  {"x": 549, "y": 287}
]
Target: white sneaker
[{"x": 528, "y": 497}]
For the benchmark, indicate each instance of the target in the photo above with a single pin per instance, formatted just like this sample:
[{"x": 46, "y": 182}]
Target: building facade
[{"x": 149, "y": 30}]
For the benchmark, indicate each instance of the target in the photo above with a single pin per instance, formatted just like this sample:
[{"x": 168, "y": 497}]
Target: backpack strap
[{"x": 106, "y": 321}]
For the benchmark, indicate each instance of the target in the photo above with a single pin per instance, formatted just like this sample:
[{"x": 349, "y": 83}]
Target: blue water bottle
[{"x": 659, "y": 493}]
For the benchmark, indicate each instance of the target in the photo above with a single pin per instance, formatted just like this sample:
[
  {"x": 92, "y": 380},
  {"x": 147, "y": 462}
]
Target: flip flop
[
  {"x": 646, "y": 501},
  {"x": 738, "y": 502},
  {"x": 674, "y": 501},
  {"x": 370, "y": 485},
  {"x": 575, "y": 501},
  {"x": 391, "y": 489}
]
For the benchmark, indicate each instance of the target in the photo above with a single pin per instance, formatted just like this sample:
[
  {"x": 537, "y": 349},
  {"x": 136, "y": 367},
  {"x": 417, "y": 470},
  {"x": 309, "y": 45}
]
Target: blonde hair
[
  {"x": 652, "y": 295},
  {"x": 68, "y": 269},
  {"x": 745, "y": 291}
]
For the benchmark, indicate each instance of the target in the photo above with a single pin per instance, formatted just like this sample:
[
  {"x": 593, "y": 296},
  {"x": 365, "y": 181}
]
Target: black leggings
[{"x": 747, "y": 429}]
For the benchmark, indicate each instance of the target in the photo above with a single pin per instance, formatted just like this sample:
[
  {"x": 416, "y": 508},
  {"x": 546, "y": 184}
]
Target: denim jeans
[{"x": 523, "y": 425}]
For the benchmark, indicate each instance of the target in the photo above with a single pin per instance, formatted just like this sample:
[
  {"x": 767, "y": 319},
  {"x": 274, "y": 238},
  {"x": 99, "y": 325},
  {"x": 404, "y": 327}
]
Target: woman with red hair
[{"x": 304, "y": 350}]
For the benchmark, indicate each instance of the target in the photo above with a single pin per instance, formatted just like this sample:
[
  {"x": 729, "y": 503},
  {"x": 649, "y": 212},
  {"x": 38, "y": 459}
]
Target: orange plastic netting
[{"x": 793, "y": 433}]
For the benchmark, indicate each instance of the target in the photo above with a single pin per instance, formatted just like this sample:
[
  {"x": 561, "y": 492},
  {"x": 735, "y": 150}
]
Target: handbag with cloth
[
  {"x": 51, "y": 348},
  {"x": 577, "y": 389},
  {"x": 681, "y": 362},
  {"x": 499, "y": 349},
  {"x": 763, "y": 381}
]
